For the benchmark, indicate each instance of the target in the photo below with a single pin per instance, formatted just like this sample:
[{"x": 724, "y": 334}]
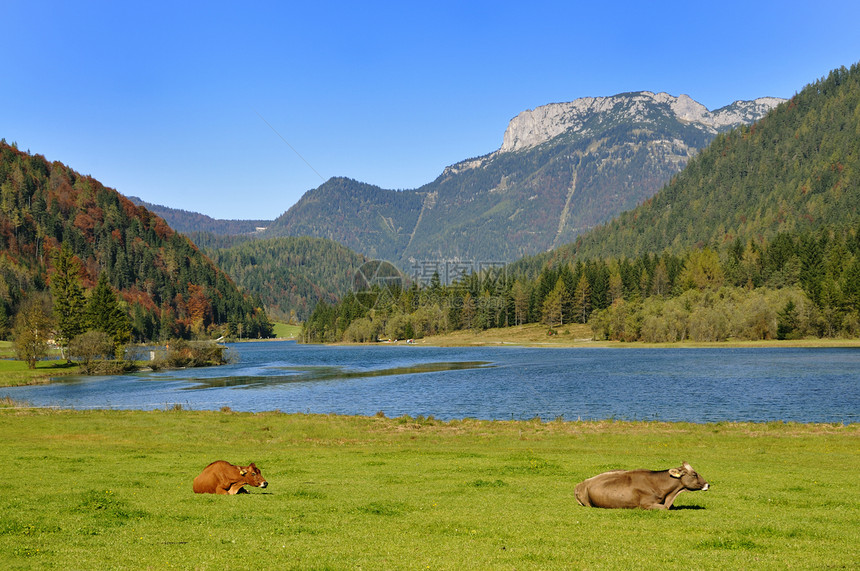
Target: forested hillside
[
  {"x": 167, "y": 287},
  {"x": 794, "y": 171},
  {"x": 187, "y": 222},
  {"x": 365, "y": 218},
  {"x": 290, "y": 275}
]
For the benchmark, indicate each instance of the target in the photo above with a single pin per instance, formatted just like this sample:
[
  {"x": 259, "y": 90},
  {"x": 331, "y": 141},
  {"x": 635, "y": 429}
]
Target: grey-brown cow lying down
[
  {"x": 645, "y": 489},
  {"x": 221, "y": 477}
]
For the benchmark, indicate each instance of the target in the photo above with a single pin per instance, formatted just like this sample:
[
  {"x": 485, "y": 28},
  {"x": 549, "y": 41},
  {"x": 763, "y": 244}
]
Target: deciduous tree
[
  {"x": 89, "y": 347},
  {"x": 32, "y": 330}
]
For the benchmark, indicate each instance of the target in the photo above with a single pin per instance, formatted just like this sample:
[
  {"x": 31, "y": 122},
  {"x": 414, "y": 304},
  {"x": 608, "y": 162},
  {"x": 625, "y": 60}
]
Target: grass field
[
  {"x": 112, "y": 489},
  {"x": 287, "y": 331},
  {"x": 14, "y": 373}
]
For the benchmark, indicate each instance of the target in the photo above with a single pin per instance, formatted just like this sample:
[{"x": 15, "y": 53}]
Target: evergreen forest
[
  {"x": 289, "y": 275},
  {"x": 796, "y": 170},
  {"x": 788, "y": 288}
]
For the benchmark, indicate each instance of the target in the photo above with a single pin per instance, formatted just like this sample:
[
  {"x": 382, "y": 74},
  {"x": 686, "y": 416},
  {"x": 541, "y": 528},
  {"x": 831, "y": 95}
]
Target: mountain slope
[
  {"x": 290, "y": 275},
  {"x": 187, "y": 222},
  {"x": 365, "y": 218},
  {"x": 562, "y": 170},
  {"x": 171, "y": 289},
  {"x": 796, "y": 170}
]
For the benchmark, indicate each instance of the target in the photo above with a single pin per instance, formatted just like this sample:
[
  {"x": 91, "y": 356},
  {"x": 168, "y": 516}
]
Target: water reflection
[{"x": 328, "y": 373}]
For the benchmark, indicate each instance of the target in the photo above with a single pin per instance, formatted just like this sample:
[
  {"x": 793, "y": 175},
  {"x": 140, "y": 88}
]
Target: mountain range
[
  {"x": 188, "y": 222},
  {"x": 561, "y": 170}
]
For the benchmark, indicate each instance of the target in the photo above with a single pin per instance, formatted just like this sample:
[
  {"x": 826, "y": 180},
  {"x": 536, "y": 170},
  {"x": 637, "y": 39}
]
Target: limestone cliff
[{"x": 589, "y": 115}]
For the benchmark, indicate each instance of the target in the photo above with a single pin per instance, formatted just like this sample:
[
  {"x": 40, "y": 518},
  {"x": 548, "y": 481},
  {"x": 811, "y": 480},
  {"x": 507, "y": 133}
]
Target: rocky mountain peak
[{"x": 536, "y": 126}]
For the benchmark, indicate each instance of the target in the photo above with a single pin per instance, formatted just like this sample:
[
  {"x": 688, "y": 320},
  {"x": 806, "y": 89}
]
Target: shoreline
[
  {"x": 579, "y": 336},
  {"x": 428, "y": 423}
]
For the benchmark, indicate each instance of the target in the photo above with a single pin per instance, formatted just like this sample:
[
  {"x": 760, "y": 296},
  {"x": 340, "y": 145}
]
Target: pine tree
[
  {"x": 582, "y": 300},
  {"x": 787, "y": 321},
  {"x": 468, "y": 311},
  {"x": 104, "y": 313},
  {"x": 68, "y": 297},
  {"x": 554, "y": 303}
]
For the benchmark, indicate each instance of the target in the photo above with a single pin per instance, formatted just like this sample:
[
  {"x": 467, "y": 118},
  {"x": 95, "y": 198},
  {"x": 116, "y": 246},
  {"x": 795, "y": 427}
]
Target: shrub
[
  {"x": 181, "y": 353},
  {"x": 90, "y": 348}
]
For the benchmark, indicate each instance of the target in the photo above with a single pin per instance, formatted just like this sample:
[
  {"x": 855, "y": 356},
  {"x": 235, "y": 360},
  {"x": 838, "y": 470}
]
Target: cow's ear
[
  {"x": 242, "y": 471},
  {"x": 674, "y": 472}
]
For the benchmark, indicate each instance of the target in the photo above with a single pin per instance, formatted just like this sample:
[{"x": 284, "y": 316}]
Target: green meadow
[
  {"x": 14, "y": 373},
  {"x": 112, "y": 489},
  {"x": 286, "y": 331}
]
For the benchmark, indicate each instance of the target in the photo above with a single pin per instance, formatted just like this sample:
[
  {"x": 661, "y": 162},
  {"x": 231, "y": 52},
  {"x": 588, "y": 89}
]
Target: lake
[{"x": 502, "y": 383}]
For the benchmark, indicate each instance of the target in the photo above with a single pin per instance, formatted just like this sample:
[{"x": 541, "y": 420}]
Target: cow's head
[
  {"x": 252, "y": 475},
  {"x": 689, "y": 478}
]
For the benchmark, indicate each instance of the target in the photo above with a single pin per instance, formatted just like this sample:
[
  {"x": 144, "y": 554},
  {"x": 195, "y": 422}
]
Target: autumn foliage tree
[{"x": 33, "y": 329}]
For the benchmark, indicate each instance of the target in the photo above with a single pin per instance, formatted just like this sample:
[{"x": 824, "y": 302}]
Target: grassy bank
[
  {"x": 15, "y": 373},
  {"x": 578, "y": 335},
  {"x": 181, "y": 354},
  {"x": 101, "y": 489}
]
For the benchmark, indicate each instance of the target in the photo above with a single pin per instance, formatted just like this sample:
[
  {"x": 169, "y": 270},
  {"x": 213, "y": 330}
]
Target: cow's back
[
  {"x": 626, "y": 489},
  {"x": 592, "y": 492},
  {"x": 213, "y": 474}
]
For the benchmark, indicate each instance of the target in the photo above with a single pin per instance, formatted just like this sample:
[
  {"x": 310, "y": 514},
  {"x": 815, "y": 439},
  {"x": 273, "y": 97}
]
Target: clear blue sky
[{"x": 170, "y": 101}]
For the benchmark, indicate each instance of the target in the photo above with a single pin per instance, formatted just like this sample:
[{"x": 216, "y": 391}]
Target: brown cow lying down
[
  {"x": 221, "y": 477},
  {"x": 638, "y": 488}
]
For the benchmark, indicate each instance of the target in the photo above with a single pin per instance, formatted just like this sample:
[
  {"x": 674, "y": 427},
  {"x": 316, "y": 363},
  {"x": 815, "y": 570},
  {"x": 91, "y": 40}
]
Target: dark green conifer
[{"x": 68, "y": 297}]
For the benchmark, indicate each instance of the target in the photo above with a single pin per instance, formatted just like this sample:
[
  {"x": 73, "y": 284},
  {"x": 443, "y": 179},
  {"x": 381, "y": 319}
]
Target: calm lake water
[{"x": 697, "y": 385}]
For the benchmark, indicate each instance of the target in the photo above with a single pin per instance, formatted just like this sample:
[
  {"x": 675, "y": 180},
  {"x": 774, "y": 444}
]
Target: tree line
[{"x": 789, "y": 287}]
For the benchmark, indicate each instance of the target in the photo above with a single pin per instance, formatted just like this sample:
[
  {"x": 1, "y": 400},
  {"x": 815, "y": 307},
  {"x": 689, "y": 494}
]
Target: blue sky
[{"x": 190, "y": 104}]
